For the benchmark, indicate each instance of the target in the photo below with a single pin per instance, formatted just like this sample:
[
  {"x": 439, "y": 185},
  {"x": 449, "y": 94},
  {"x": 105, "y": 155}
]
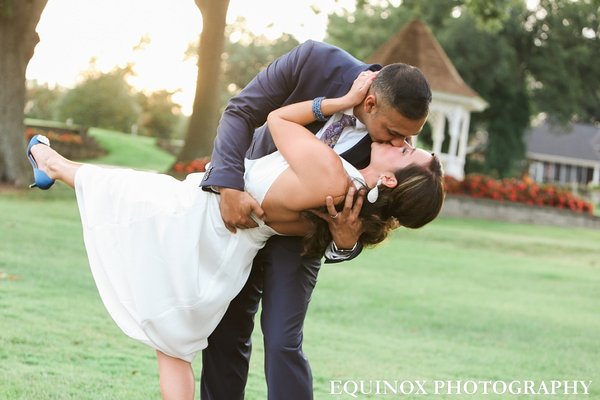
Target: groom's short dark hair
[{"x": 405, "y": 88}]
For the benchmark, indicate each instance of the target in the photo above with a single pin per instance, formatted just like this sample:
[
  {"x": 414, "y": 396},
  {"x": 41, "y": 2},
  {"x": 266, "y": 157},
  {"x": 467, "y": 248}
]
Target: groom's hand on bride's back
[{"x": 236, "y": 208}]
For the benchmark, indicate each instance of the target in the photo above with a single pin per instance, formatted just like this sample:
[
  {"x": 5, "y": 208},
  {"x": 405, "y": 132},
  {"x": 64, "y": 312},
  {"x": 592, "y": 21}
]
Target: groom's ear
[{"x": 370, "y": 102}]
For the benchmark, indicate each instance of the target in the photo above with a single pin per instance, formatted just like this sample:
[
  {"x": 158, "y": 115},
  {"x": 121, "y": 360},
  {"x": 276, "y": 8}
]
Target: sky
[{"x": 72, "y": 32}]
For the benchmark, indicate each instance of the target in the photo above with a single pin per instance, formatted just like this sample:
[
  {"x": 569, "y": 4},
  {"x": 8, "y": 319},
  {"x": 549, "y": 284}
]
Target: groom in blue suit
[{"x": 280, "y": 276}]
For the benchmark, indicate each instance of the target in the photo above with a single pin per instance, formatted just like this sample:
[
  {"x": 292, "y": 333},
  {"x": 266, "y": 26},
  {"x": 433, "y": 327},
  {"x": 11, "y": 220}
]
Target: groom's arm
[
  {"x": 269, "y": 90},
  {"x": 272, "y": 88}
]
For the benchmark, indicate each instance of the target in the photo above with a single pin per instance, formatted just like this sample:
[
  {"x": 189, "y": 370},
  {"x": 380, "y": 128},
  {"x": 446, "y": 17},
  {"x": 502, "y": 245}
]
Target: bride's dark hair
[{"x": 414, "y": 202}]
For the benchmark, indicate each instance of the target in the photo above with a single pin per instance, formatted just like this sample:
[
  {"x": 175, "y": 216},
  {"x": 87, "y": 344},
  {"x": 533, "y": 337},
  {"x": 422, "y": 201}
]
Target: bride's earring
[{"x": 374, "y": 193}]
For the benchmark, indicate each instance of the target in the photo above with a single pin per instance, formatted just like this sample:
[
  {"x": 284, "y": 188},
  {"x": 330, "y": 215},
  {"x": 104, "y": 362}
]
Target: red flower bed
[
  {"x": 517, "y": 190},
  {"x": 197, "y": 165},
  {"x": 55, "y": 135},
  {"x": 71, "y": 142}
]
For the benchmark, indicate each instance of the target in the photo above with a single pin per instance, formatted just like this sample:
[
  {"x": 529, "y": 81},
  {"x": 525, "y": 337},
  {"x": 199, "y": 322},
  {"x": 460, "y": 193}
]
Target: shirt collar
[{"x": 359, "y": 125}]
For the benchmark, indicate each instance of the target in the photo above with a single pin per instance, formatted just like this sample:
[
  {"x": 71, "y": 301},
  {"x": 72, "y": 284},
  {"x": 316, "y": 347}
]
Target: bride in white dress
[{"x": 165, "y": 265}]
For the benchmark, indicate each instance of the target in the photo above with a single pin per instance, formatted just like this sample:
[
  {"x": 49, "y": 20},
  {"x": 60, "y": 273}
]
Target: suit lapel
[{"x": 359, "y": 155}]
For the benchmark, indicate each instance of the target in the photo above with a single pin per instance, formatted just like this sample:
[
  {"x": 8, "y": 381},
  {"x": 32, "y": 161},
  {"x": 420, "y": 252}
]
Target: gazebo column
[
  {"x": 464, "y": 136},
  {"x": 454, "y": 165},
  {"x": 596, "y": 176},
  {"x": 438, "y": 122},
  {"x": 458, "y": 118},
  {"x": 454, "y": 125},
  {"x": 463, "y": 140}
]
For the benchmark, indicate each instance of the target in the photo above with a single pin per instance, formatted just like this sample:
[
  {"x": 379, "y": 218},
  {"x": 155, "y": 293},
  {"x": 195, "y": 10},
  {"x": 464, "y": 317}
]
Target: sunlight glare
[{"x": 153, "y": 36}]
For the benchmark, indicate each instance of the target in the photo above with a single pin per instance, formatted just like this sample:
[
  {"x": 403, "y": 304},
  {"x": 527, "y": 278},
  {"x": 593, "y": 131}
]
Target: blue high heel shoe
[{"x": 40, "y": 178}]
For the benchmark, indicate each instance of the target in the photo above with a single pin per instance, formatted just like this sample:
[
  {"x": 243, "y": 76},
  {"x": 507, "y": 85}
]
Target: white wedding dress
[{"x": 164, "y": 263}]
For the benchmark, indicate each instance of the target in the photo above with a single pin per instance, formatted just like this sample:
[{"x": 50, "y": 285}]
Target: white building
[{"x": 564, "y": 155}]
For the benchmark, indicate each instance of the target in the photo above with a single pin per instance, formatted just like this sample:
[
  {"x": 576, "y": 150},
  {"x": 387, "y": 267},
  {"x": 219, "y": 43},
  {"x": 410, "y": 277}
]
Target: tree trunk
[
  {"x": 203, "y": 123},
  {"x": 18, "y": 38}
]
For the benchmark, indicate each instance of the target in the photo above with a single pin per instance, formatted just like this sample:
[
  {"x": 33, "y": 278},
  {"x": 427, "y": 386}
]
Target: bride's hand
[{"x": 360, "y": 87}]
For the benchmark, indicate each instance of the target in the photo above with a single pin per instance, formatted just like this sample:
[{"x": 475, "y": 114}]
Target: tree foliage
[
  {"x": 563, "y": 60},
  {"x": 103, "y": 100},
  {"x": 246, "y": 54},
  {"x": 41, "y": 100},
  {"x": 361, "y": 32},
  {"x": 493, "y": 68},
  {"x": 159, "y": 116},
  {"x": 106, "y": 100}
]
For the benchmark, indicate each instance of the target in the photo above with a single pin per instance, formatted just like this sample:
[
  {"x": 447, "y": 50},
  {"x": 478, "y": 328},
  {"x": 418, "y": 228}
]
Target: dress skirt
[{"x": 165, "y": 265}]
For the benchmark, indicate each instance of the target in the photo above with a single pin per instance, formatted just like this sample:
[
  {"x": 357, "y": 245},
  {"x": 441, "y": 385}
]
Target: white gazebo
[{"x": 453, "y": 100}]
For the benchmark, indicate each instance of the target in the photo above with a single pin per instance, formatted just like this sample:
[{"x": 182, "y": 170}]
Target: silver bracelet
[
  {"x": 343, "y": 251},
  {"x": 316, "y": 109}
]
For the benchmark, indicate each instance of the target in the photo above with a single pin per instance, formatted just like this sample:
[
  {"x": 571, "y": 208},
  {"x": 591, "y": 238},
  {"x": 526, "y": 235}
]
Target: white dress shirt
[{"x": 350, "y": 135}]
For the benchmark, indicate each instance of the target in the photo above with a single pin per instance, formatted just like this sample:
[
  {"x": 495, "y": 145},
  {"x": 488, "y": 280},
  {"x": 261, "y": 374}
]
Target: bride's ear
[{"x": 388, "y": 179}]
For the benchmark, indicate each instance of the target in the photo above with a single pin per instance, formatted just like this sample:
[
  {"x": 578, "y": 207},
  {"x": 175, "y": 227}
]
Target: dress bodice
[{"x": 262, "y": 172}]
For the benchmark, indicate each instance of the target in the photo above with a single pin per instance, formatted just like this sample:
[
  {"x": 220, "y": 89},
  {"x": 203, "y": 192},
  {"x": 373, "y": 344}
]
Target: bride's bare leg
[
  {"x": 176, "y": 378},
  {"x": 55, "y": 165}
]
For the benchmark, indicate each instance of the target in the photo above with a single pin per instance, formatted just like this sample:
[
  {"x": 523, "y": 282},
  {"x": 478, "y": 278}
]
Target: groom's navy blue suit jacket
[{"x": 310, "y": 70}]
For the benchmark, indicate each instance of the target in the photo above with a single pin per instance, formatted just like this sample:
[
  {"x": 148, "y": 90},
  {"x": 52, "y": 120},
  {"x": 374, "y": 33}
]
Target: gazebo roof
[{"x": 414, "y": 44}]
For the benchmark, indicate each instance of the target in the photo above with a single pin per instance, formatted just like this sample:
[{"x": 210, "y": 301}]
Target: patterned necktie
[{"x": 333, "y": 132}]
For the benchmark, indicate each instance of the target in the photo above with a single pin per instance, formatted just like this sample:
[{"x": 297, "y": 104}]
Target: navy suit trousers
[{"x": 288, "y": 281}]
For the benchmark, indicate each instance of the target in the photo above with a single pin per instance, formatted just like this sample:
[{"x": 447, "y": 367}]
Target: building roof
[
  {"x": 578, "y": 141},
  {"x": 414, "y": 44}
]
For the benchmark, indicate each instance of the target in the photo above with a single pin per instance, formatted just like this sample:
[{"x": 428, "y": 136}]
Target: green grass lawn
[
  {"x": 131, "y": 151},
  {"x": 456, "y": 300}
]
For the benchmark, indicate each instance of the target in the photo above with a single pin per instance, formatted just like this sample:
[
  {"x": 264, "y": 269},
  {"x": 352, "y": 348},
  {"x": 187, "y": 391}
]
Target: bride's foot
[
  {"x": 48, "y": 165},
  {"x": 38, "y": 155}
]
